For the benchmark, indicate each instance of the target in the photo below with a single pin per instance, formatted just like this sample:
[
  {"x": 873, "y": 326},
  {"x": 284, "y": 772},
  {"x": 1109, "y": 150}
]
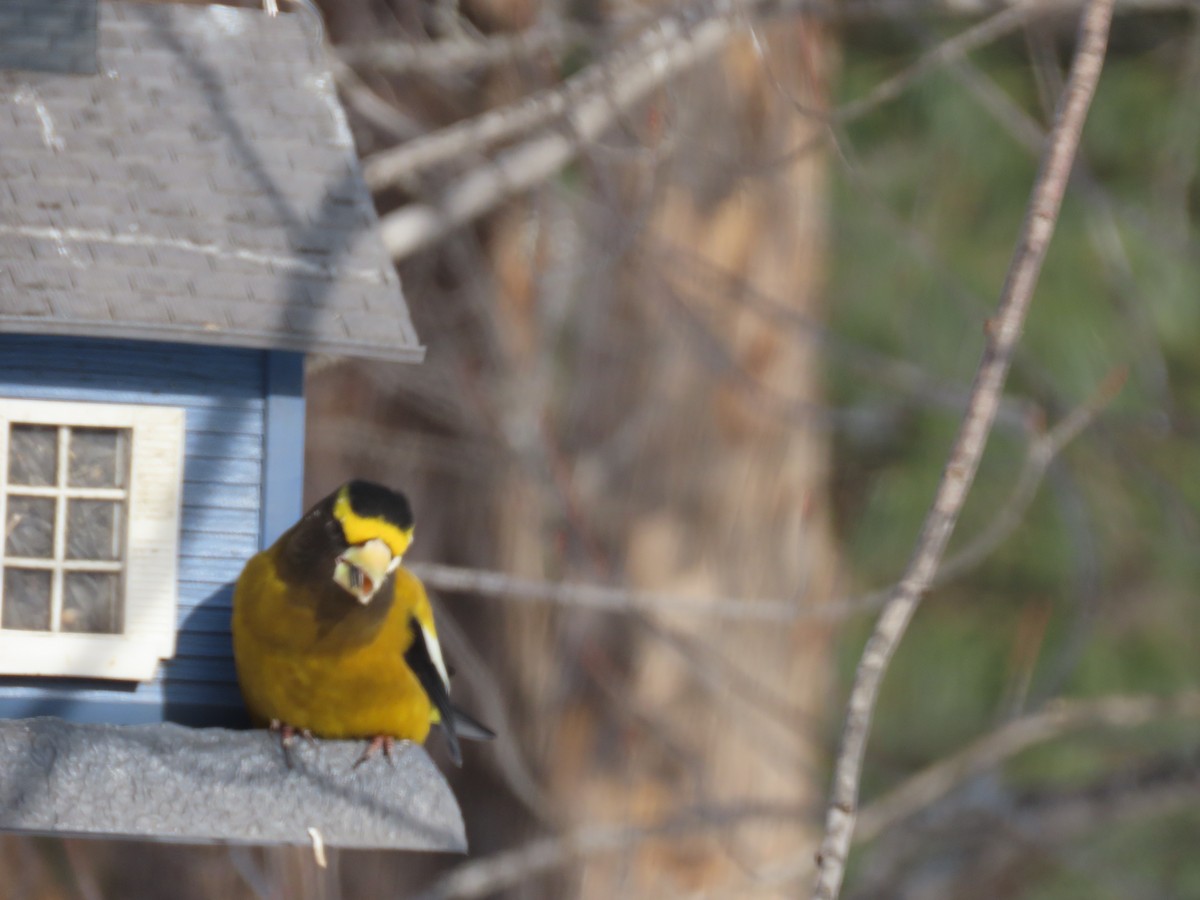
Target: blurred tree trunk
[
  {"x": 640, "y": 372},
  {"x": 604, "y": 401}
]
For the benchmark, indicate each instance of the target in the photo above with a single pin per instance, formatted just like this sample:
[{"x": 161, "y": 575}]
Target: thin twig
[
  {"x": 1103, "y": 226},
  {"x": 1178, "y": 151},
  {"x": 383, "y": 115},
  {"x": 507, "y": 868},
  {"x": 940, "y": 56},
  {"x": 677, "y": 46},
  {"x": 693, "y": 277},
  {"x": 586, "y": 105},
  {"x": 655, "y": 53},
  {"x": 920, "y": 791},
  {"x": 456, "y": 56},
  {"x": 1003, "y": 333},
  {"x": 1042, "y": 452},
  {"x": 600, "y": 598},
  {"x": 538, "y": 110},
  {"x": 614, "y": 599},
  {"x": 895, "y": 373},
  {"x": 600, "y": 81},
  {"x": 991, "y": 838},
  {"x": 1135, "y": 791},
  {"x": 931, "y": 784}
]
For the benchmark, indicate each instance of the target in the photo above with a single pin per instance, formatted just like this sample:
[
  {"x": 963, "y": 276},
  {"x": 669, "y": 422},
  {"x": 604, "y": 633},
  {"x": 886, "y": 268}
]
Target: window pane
[
  {"x": 97, "y": 457},
  {"x": 91, "y": 602},
  {"x": 30, "y": 527},
  {"x": 26, "y": 600},
  {"x": 32, "y": 454},
  {"x": 93, "y": 529}
]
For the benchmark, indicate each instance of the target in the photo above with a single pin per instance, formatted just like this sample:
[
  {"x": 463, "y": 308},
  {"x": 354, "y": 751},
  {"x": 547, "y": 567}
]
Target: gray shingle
[
  {"x": 73, "y": 306},
  {"x": 104, "y": 279},
  {"x": 168, "y": 257},
  {"x": 51, "y": 253},
  {"x": 134, "y": 256},
  {"x": 158, "y": 282},
  {"x": 186, "y": 311},
  {"x": 207, "y": 177},
  {"x": 253, "y": 318},
  {"x": 19, "y": 303},
  {"x": 52, "y": 169},
  {"x": 37, "y": 195},
  {"x": 13, "y": 168},
  {"x": 218, "y": 287},
  {"x": 13, "y": 247},
  {"x": 32, "y": 278}
]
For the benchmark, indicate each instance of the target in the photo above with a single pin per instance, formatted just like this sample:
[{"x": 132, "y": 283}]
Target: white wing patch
[{"x": 435, "y": 653}]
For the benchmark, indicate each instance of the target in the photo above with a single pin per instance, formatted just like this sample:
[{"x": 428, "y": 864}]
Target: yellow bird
[{"x": 333, "y": 638}]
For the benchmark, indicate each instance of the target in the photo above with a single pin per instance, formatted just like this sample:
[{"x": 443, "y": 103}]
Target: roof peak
[{"x": 202, "y": 187}]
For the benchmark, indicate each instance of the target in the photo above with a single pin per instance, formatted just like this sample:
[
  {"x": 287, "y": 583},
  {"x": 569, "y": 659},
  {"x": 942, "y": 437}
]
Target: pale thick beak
[{"x": 363, "y": 568}]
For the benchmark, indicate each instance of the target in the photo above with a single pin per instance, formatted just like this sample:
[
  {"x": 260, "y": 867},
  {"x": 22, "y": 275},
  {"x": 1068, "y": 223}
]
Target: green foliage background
[{"x": 1095, "y": 593}]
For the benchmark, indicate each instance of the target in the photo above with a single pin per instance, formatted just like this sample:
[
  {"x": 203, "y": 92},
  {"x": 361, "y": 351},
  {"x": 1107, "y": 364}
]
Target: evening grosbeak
[{"x": 334, "y": 638}]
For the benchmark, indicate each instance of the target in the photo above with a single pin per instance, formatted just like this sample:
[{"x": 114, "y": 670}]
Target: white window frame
[{"x": 151, "y": 551}]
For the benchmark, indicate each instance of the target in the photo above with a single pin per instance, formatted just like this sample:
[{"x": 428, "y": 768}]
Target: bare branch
[
  {"x": 1179, "y": 149},
  {"x": 870, "y": 10},
  {"x": 669, "y": 49},
  {"x": 895, "y": 373},
  {"x": 920, "y": 791},
  {"x": 371, "y": 106},
  {"x": 994, "y": 840},
  {"x": 507, "y": 868},
  {"x": 586, "y": 106},
  {"x": 931, "y": 784},
  {"x": 943, "y": 54},
  {"x": 1135, "y": 791},
  {"x": 1102, "y": 225},
  {"x": 459, "y": 55},
  {"x": 586, "y": 103},
  {"x": 473, "y": 136},
  {"x": 1003, "y": 333},
  {"x": 1042, "y": 451},
  {"x": 611, "y": 599}
]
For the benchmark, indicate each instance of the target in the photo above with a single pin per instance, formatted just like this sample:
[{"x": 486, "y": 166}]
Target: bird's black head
[{"x": 369, "y": 500}]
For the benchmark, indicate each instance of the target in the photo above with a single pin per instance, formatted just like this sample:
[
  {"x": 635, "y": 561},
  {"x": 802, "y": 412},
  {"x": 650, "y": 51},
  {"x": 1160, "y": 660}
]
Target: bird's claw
[
  {"x": 287, "y": 736},
  {"x": 379, "y": 742}
]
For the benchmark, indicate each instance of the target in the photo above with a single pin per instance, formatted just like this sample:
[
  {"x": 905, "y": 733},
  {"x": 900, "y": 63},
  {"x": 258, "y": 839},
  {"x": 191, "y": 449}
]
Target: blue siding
[
  {"x": 209, "y": 520},
  {"x": 224, "y": 392},
  {"x": 283, "y": 487}
]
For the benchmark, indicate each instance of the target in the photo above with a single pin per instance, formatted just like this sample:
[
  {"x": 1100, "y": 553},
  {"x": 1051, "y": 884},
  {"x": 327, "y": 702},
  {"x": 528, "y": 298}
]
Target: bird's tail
[{"x": 470, "y": 728}]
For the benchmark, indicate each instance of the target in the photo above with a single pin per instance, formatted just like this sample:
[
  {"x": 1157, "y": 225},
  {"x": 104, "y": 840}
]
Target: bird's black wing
[
  {"x": 470, "y": 728},
  {"x": 427, "y": 673}
]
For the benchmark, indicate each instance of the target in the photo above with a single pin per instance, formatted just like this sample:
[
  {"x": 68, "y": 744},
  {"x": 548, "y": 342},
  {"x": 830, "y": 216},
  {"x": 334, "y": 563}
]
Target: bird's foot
[
  {"x": 379, "y": 742},
  {"x": 287, "y": 736}
]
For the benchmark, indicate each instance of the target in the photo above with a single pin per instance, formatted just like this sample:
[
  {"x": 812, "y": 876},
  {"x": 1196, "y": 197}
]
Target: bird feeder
[{"x": 182, "y": 221}]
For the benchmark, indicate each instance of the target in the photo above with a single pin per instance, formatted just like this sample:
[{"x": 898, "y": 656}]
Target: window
[{"x": 89, "y": 495}]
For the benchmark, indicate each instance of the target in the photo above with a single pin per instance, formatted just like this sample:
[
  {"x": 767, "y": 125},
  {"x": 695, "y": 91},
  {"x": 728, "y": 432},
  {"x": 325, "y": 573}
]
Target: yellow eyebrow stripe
[{"x": 360, "y": 529}]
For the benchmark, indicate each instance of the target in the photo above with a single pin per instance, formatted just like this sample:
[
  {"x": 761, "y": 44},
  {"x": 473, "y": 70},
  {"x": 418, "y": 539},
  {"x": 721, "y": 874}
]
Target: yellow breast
[{"x": 337, "y": 682}]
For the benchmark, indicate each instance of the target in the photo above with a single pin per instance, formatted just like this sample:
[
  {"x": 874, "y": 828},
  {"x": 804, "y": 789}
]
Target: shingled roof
[{"x": 202, "y": 187}]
